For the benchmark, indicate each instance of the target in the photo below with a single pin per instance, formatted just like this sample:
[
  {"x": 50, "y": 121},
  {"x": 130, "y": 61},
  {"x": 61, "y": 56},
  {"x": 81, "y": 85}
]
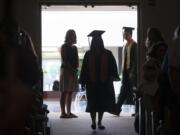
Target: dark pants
[{"x": 126, "y": 93}]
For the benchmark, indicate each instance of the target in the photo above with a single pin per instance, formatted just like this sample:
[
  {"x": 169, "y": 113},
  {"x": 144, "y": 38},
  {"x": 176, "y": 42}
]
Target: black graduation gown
[
  {"x": 100, "y": 95},
  {"x": 128, "y": 83}
]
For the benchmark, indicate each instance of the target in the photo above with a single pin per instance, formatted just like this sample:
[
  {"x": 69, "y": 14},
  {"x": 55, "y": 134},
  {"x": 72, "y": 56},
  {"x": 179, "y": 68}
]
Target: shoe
[
  {"x": 101, "y": 127},
  {"x": 93, "y": 126},
  {"x": 71, "y": 115}
]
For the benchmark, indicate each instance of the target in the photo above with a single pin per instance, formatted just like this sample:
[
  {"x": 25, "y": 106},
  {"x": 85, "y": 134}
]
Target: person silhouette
[
  {"x": 98, "y": 72},
  {"x": 129, "y": 70},
  {"x": 153, "y": 35},
  {"x": 68, "y": 73}
]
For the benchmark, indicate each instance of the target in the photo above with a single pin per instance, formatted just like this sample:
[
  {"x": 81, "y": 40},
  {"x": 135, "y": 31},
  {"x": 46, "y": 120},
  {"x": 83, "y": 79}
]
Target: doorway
[{"x": 57, "y": 19}]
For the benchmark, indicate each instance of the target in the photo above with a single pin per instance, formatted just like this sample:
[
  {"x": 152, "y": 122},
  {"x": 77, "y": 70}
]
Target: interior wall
[
  {"x": 158, "y": 13},
  {"x": 26, "y": 13},
  {"x": 163, "y": 14},
  {"x": 1, "y": 9}
]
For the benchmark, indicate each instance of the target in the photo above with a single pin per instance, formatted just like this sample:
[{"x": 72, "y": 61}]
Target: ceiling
[{"x": 89, "y": 8}]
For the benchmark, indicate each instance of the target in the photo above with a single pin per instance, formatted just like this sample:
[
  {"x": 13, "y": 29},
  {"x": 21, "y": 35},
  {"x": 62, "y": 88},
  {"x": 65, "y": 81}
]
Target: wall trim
[{"x": 90, "y": 2}]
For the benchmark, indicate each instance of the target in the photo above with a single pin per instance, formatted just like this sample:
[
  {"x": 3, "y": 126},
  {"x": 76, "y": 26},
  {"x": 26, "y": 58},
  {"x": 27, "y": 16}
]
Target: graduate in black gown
[{"x": 98, "y": 72}]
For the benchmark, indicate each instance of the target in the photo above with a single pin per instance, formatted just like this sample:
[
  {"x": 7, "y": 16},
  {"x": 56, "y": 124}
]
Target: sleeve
[
  {"x": 84, "y": 70},
  {"x": 134, "y": 59},
  {"x": 77, "y": 57},
  {"x": 113, "y": 68},
  {"x": 63, "y": 54},
  {"x": 133, "y": 72}
]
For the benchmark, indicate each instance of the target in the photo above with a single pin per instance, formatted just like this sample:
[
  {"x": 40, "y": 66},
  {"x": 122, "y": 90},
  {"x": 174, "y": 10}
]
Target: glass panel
[{"x": 51, "y": 72}]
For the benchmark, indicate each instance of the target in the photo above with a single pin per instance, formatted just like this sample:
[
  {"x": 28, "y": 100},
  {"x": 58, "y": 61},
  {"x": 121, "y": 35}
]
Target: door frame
[{"x": 93, "y": 3}]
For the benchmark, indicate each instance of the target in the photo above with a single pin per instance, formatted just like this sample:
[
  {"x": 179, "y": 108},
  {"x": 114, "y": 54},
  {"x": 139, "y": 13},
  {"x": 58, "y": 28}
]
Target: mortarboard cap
[
  {"x": 128, "y": 29},
  {"x": 96, "y": 33}
]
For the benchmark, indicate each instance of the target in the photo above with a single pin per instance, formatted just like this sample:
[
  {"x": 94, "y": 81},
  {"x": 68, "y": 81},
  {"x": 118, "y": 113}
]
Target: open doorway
[{"x": 56, "y": 20}]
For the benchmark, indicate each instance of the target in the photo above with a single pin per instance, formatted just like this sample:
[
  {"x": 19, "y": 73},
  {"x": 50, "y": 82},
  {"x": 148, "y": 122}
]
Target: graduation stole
[
  {"x": 103, "y": 67},
  {"x": 126, "y": 56}
]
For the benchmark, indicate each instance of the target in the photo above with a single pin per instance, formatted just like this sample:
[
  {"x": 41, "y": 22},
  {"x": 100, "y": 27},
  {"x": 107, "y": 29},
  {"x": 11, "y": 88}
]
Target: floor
[{"x": 122, "y": 125}]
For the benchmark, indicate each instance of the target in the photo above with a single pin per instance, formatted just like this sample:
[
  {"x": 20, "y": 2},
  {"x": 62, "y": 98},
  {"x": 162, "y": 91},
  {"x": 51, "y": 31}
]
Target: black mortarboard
[
  {"x": 96, "y": 33},
  {"x": 128, "y": 29}
]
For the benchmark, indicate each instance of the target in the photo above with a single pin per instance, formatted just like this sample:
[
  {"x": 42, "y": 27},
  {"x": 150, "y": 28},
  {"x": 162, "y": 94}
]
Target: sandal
[
  {"x": 64, "y": 116},
  {"x": 71, "y": 115}
]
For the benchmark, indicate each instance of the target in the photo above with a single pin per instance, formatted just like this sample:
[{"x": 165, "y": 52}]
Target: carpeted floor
[
  {"x": 81, "y": 126},
  {"x": 122, "y": 125}
]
